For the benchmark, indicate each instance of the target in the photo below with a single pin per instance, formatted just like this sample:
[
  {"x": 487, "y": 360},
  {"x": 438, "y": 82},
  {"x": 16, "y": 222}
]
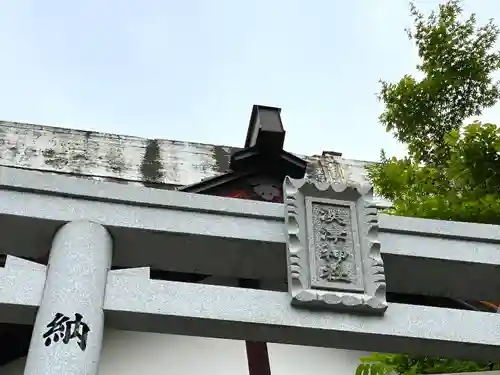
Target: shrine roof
[{"x": 159, "y": 163}]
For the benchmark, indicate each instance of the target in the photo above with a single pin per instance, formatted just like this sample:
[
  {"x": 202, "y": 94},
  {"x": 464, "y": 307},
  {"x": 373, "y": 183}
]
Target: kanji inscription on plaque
[
  {"x": 336, "y": 247},
  {"x": 333, "y": 251}
]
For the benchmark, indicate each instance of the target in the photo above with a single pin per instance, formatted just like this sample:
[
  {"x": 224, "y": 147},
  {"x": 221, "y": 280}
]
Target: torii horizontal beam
[
  {"x": 186, "y": 232},
  {"x": 134, "y": 302}
]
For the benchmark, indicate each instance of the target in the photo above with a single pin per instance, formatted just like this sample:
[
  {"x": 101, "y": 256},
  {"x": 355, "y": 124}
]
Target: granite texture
[
  {"x": 68, "y": 330},
  {"x": 249, "y": 236},
  {"x": 235, "y": 313},
  {"x": 333, "y": 251}
]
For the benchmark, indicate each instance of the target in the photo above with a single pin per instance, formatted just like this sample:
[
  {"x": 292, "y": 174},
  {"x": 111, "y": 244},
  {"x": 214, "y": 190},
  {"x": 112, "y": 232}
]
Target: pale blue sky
[{"x": 191, "y": 70}]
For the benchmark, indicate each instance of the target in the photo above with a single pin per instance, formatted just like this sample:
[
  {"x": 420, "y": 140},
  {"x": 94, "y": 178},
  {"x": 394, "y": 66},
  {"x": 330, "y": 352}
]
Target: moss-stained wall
[{"x": 126, "y": 159}]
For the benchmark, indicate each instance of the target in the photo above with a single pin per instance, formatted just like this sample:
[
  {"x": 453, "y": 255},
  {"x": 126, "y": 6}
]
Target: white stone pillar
[{"x": 67, "y": 336}]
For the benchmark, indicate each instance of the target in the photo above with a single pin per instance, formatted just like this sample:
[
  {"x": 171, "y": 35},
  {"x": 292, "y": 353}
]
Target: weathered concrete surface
[{"x": 127, "y": 159}]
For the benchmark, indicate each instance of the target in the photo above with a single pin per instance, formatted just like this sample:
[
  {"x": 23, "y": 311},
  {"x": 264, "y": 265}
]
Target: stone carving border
[{"x": 367, "y": 296}]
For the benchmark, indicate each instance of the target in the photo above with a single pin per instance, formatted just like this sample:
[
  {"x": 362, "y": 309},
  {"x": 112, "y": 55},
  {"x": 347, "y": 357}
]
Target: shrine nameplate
[{"x": 333, "y": 252}]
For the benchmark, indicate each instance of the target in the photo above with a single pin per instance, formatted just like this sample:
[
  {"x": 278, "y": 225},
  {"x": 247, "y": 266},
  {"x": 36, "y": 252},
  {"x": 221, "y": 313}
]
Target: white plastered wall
[{"x": 132, "y": 353}]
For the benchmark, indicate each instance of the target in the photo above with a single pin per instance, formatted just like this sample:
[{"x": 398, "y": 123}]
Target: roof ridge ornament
[
  {"x": 333, "y": 252},
  {"x": 263, "y": 149},
  {"x": 265, "y": 129}
]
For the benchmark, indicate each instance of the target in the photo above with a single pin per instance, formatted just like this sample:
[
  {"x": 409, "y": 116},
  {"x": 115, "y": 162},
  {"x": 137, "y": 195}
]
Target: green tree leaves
[
  {"x": 452, "y": 171},
  {"x": 457, "y": 63},
  {"x": 463, "y": 187},
  {"x": 386, "y": 364}
]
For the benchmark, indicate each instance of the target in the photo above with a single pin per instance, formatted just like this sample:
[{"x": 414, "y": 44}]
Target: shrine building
[{"x": 124, "y": 255}]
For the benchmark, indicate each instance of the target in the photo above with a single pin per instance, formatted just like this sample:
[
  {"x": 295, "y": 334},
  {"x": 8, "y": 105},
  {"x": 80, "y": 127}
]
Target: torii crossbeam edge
[{"x": 326, "y": 239}]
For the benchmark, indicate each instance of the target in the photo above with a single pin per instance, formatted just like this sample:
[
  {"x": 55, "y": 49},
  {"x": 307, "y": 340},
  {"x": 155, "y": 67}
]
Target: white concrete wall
[
  {"x": 302, "y": 360},
  {"x": 132, "y": 353}
]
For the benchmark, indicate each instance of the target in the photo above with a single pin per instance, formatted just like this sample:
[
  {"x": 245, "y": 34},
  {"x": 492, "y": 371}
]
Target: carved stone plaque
[{"x": 333, "y": 251}]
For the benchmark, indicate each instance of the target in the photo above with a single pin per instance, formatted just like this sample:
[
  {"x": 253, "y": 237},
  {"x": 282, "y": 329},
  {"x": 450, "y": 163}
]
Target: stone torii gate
[{"x": 327, "y": 239}]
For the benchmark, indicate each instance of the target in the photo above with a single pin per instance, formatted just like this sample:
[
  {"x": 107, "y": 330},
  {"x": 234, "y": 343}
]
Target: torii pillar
[{"x": 68, "y": 331}]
